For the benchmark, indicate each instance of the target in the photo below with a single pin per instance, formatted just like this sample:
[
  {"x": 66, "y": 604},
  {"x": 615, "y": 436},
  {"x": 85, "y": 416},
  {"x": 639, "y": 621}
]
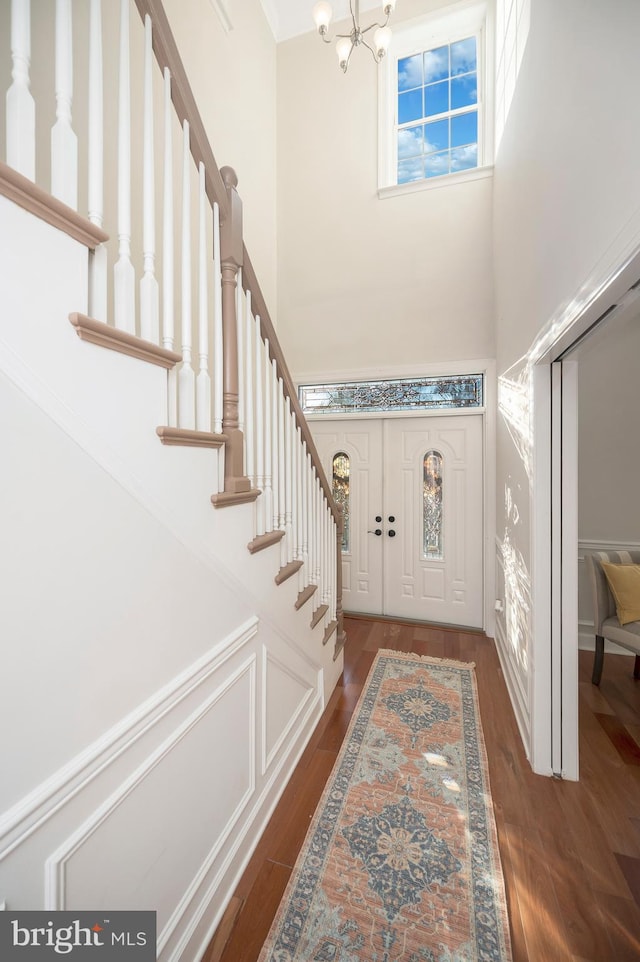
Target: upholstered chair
[{"x": 605, "y": 618}]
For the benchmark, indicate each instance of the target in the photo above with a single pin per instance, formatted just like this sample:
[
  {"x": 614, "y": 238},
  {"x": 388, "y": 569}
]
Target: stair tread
[
  {"x": 287, "y": 571},
  {"x": 265, "y": 540},
  {"x": 329, "y": 630},
  {"x": 97, "y": 332},
  {"x": 304, "y": 596},
  {"x": 188, "y": 438},
  {"x": 319, "y": 614},
  {"x": 226, "y": 499}
]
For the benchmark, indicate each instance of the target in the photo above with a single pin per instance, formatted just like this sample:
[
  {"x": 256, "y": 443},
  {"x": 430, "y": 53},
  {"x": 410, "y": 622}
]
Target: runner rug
[{"x": 401, "y": 862}]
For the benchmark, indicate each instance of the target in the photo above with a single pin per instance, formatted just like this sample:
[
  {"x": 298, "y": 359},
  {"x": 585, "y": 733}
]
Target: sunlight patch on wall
[
  {"x": 517, "y": 586},
  {"x": 514, "y": 404},
  {"x": 512, "y": 30}
]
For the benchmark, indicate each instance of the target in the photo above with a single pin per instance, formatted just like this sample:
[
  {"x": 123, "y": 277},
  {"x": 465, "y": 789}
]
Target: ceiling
[{"x": 289, "y": 18}]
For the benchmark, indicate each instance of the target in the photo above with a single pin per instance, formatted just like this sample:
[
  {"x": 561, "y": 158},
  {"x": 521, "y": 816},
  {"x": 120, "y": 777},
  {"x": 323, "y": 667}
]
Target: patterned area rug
[{"x": 401, "y": 862}]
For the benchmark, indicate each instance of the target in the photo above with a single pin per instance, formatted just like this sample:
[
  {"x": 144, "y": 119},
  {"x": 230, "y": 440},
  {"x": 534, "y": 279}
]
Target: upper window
[
  {"x": 437, "y": 129},
  {"x": 433, "y": 116}
]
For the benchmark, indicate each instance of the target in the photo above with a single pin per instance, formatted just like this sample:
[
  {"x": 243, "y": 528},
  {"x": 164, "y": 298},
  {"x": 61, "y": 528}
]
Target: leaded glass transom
[
  {"x": 432, "y": 506},
  {"x": 340, "y": 479},
  {"x": 404, "y": 394}
]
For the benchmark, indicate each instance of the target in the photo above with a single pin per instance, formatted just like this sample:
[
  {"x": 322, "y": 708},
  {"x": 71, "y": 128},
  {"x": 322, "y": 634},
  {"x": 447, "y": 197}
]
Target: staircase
[{"x": 171, "y": 556}]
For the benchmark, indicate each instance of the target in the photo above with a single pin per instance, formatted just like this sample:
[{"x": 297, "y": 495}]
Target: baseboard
[{"x": 517, "y": 695}]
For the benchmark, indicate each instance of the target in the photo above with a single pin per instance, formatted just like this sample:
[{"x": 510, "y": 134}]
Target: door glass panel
[
  {"x": 432, "y": 505},
  {"x": 341, "y": 492}
]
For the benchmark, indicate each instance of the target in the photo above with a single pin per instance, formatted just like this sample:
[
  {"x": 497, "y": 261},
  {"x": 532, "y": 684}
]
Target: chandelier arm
[
  {"x": 337, "y": 36},
  {"x": 369, "y": 47},
  {"x": 349, "y": 57},
  {"x": 376, "y": 24}
]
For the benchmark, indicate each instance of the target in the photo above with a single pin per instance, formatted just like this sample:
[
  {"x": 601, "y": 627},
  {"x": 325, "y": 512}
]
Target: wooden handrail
[{"x": 167, "y": 55}]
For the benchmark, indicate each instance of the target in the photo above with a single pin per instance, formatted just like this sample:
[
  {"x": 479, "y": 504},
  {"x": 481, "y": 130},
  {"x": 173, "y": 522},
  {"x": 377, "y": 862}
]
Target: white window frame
[{"x": 444, "y": 26}]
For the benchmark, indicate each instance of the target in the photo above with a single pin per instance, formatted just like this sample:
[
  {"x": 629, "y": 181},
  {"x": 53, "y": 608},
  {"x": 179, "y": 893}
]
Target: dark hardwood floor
[{"x": 570, "y": 850}]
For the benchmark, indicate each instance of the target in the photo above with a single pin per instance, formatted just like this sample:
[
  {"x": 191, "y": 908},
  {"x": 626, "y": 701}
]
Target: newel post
[
  {"x": 341, "y": 635},
  {"x": 231, "y": 247}
]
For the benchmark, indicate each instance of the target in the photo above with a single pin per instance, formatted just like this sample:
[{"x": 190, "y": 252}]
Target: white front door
[
  {"x": 361, "y": 441},
  {"x": 415, "y": 526}
]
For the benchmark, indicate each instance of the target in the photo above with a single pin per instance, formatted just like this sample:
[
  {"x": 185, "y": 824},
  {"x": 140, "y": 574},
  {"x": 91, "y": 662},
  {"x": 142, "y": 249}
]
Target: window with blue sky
[
  {"x": 435, "y": 99},
  {"x": 437, "y": 111}
]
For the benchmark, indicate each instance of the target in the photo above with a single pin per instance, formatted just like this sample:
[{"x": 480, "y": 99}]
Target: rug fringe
[{"x": 429, "y": 659}]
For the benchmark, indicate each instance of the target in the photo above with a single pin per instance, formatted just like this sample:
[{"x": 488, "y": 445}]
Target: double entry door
[{"x": 412, "y": 492}]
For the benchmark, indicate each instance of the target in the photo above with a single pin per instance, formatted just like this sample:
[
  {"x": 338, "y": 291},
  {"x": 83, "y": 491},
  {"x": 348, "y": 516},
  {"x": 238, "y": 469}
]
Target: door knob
[
  {"x": 392, "y": 533},
  {"x": 377, "y": 532}
]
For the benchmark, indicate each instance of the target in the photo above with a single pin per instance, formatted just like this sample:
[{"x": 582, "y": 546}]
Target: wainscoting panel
[
  {"x": 193, "y": 779},
  {"x": 286, "y": 697},
  {"x": 164, "y": 812},
  {"x": 35, "y": 810}
]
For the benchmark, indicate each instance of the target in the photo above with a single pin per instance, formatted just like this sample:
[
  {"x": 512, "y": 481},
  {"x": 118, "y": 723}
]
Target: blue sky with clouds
[{"x": 434, "y": 84}]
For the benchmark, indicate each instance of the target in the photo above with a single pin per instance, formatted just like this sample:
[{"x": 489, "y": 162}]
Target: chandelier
[{"x": 322, "y": 14}]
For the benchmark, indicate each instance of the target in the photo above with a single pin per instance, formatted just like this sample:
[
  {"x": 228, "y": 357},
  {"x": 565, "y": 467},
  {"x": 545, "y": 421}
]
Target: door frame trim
[
  {"x": 488, "y": 413},
  {"x": 553, "y": 686}
]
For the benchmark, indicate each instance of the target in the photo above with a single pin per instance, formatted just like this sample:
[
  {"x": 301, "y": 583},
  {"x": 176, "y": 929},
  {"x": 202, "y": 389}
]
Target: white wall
[
  {"x": 565, "y": 203},
  {"x": 157, "y": 686},
  {"x": 365, "y": 282}
]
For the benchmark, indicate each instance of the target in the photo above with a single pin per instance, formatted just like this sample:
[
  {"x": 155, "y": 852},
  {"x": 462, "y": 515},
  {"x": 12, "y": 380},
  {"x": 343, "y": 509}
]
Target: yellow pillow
[{"x": 624, "y": 581}]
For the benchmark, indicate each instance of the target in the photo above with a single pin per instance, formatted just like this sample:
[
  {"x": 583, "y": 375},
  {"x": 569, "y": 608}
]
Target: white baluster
[
  {"x": 300, "y": 450},
  {"x": 313, "y": 574},
  {"x": 268, "y": 443},
  {"x": 217, "y": 326},
  {"x": 294, "y": 491},
  {"x": 288, "y": 491},
  {"x": 168, "y": 319},
  {"x": 64, "y": 143},
  {"x": 203, "y": 383},
  {"x": 334, "y": 571},
  {"x": 327, "y": 573},
  {"x": 275, "y": 445},
  {"x": 95, "y": 178},
  {"x": 248, "y": 390},
  {"x": 309, "y": 575},
  {"x": 318, "y": 525},
  {"x": 124, "y": 274},
  {"x": 21, "y": 108},
  {"x": 282, "y": 471},
  {"x": 259, "y": 430},
  {"x": 186, "y": 376},
  {"x": 304, "y": 571},
  {"x": 241, "y": 303},
  {"x": 149, "y": 296}
]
